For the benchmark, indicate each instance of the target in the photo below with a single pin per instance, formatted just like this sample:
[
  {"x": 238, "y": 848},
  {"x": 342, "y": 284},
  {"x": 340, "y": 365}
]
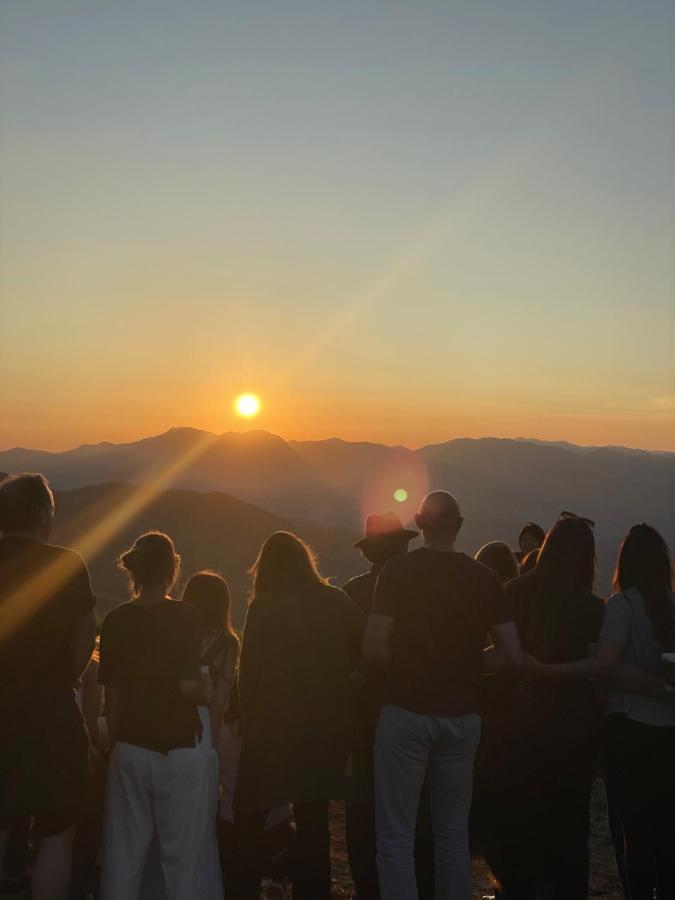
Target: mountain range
[{"x": 328, "y": 487}]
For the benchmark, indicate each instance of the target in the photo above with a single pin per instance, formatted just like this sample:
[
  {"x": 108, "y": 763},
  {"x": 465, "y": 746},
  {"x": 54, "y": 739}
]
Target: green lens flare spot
[{"x": 400, "y": 495}]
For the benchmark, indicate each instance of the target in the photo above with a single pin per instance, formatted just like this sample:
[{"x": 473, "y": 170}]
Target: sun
[{"x": 247, "y": 405}]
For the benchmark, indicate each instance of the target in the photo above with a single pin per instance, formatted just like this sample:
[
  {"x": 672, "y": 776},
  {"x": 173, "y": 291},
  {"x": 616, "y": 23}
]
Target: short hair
[
  {"x": 25, "y": 501},
  {"x": 532, "y": 528}
]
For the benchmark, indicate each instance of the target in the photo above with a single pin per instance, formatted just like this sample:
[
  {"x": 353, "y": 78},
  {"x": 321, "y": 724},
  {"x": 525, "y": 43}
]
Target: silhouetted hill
[
  {"x": 500, "y": 483},
  {"x": 211, "y": 530}
]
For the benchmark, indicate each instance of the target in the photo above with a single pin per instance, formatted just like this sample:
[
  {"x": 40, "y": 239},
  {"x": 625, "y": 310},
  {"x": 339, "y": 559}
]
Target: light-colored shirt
[{"x": 627, "y": 623}]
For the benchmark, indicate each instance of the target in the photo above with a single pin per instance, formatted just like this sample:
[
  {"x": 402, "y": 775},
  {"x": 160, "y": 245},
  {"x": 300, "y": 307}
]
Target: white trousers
[{"x": 148, "y": 794}]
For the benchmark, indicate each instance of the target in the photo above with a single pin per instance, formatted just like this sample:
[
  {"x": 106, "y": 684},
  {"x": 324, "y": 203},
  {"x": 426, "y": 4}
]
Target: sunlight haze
[{"x": 398, "y": 222}]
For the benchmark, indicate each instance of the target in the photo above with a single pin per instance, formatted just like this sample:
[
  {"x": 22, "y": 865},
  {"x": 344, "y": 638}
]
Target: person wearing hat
[{"x": 385, "y": 537}]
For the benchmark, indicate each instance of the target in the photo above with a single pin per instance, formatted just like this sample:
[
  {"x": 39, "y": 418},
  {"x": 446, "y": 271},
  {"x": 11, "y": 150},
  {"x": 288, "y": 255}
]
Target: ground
[{"x": 604, "y": 881}]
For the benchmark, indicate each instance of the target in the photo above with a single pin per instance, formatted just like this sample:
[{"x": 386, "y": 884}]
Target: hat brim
[{"x": 386, "y": 538}]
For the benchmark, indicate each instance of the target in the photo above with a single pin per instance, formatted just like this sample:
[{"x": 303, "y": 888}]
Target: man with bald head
[{"x": 432, "y": 611}]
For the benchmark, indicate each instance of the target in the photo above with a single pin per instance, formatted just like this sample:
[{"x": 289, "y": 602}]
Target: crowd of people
[{"x": 455, "y": 705}]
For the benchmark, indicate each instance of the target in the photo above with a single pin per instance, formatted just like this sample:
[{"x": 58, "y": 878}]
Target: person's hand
[{"x": 531, "y": 669}]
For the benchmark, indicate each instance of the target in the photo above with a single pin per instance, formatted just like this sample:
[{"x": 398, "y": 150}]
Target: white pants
[{"x": 150, "y": 793}]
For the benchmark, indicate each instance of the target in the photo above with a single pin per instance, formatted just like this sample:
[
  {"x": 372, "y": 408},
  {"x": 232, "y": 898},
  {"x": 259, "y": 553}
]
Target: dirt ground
[{"x": 604, "y": 881}]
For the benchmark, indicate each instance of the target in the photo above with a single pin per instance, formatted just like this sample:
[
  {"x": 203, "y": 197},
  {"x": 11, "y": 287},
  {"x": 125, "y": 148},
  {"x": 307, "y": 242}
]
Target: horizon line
[{"x": 560, "y": 443}]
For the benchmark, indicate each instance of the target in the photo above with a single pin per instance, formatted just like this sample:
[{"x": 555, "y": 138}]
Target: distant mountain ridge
[
  {"x": 336, "y": 483},
  {"x": 328, "y": 481}
]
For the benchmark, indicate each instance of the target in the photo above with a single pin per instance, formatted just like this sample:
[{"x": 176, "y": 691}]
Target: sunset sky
[{"x": 393, "y": 221}]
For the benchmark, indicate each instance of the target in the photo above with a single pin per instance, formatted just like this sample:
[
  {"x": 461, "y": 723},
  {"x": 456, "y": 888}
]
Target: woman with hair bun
[{"x": 157, "y": 785}]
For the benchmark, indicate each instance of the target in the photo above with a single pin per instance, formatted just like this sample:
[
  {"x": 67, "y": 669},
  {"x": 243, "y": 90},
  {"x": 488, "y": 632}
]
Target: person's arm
[
  {"x": 390, "y": 592},
  {"x": 221, "y": 693},
  {"x": 631, "y": 680},
  {"x": 113, "y": 701},
  {"x": 598, "y": 664},
  {"x": 251, "y": 657},
  {"x": 376, "y": 646},
  {"x": 192, "y": 685},
  {"x": 83, "y": 641},
  {"x": 92, "y": 697},
  {"x": 506, "y": 651}
]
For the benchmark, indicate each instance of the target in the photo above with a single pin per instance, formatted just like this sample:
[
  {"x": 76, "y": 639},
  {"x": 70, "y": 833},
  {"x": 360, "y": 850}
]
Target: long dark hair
[
  {"x": 565, "y": 568},
  {"x": 209, "y": 592},
  {"x": 285, "y": 563},
  {"x": 644, "y": 564}
]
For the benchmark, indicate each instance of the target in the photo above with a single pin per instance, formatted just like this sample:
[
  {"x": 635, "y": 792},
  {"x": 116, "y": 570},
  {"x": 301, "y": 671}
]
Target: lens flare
[
  {"x": 400, "y": 495},
  {"x": 247, "y": 405}
]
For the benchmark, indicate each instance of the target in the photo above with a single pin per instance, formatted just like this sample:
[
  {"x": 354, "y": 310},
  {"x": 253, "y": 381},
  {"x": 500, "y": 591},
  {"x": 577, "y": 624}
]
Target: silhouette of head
[
  {"x": 499, "y": 557},
  {"x": 567, "y": 557},
  {"x": 26, "y": 506},
  {"x": 439, "y": 516},
  {"x": 385, "y": 537},
  {"x": 152, "y": 562},
  {"x": 644, "y": 564},
  {"x": 285, "y": 563},
  {"x": 531, "y": 537},
  {"x": 209, "y": 592}
]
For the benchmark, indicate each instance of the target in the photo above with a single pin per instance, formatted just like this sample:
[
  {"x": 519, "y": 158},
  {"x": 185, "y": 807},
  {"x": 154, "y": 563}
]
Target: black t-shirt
[
  {"x": 44, "y": 591},
  {"x": 146, "y": 650},
  {"x": 443, "y": 606}
]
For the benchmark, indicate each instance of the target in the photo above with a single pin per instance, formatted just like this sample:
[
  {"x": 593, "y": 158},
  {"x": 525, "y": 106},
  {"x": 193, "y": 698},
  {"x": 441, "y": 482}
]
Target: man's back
[
  {"x": 443, "y": 605},
  {"x": 38, "y": 650}
]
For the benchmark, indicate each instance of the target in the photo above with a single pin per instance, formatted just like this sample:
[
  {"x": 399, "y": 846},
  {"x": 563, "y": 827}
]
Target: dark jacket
[{"x": 296, "y": 697}]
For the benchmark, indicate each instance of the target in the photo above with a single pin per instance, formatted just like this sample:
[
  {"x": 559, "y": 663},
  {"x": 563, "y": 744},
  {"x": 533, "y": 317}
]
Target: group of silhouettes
[{"x": 456, "y": 705}]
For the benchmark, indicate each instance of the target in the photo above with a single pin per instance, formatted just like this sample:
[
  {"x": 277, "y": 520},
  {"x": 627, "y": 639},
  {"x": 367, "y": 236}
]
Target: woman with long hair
[
  {"x": 638, "y": 627},
  {"x": 157, "y": 782},
  {"x": 301, "y": 641},
  {"x": 548, "y": 732}
]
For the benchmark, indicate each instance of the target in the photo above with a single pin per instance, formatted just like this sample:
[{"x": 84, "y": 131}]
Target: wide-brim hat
[{"x": 380, "y": 529}]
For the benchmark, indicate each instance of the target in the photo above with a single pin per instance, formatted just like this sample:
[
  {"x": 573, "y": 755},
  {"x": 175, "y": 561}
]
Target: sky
[{"x": 393, "y": 221}]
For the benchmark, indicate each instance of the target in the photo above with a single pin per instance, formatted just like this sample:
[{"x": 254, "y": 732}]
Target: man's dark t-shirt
[
  {"x": 443, "y": 606},
  {"x": 146, "y": 650},
  {"x": 37, "y": 654}
]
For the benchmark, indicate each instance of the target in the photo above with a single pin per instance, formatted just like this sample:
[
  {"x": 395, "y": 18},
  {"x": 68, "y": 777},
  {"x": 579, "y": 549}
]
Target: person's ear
[
  {"x": 460, "y": 522},
  {"x": 418, "y": 521}
]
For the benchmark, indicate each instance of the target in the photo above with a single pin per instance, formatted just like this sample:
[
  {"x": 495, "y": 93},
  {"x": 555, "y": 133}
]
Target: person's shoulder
[
  {"x": 331, "y": 592},
  {"x": 357, "y": 582},
  {"x": 406, "y": 561},
  {"x": 523, "y": 584},
  {"x": 117, "y": 616},
  {"x": 184, "y": 611}
]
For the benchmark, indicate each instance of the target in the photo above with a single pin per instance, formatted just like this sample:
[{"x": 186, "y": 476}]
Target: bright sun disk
[{"x": 247, "y": 405}]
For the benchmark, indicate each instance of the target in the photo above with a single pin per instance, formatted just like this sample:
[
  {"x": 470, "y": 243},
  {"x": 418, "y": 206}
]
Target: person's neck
[
  {"x": 150, "y": 595},
  {"x": 442, "y": 542}
]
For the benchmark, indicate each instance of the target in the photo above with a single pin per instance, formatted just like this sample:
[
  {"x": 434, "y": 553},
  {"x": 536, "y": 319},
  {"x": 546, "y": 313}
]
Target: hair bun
[{"x": 131, "y": 559}]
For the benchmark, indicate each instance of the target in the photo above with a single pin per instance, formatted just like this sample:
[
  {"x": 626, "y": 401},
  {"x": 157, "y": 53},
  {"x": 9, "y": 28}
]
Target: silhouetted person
[
  {"x": 432, "y": 610},
  {"x": 638, "y": 627},
  {"x": 499, "y": 557},
  {"x": 531, "y": 538},
  {"x": 47, "y": 632},
  {"x": 640, "y": 745},
  {"x": 385, "y": 538},
  {"x": 300, "y": 643},
  {"x": 548, "y": 735},
  {"x": 157, "y": 781}
]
